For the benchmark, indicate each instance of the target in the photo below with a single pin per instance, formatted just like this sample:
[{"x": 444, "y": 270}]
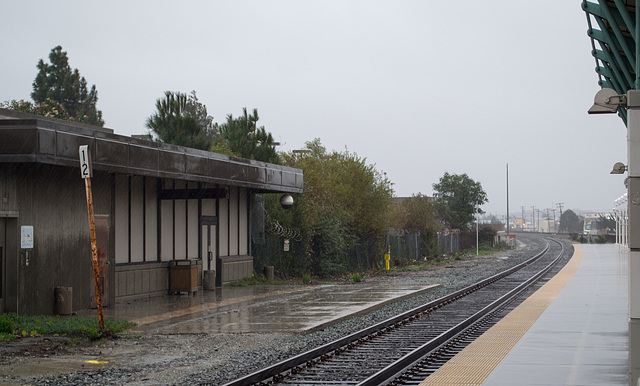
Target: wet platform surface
[
  {"x": 572, "y": 331},
  {"x": 258, "y": 308}
]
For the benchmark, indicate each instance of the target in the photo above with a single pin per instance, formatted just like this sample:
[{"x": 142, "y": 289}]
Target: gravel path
[{"x": 219, "y": 358}]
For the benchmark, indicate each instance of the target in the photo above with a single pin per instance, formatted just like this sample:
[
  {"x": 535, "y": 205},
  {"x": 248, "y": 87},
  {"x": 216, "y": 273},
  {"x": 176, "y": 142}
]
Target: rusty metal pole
[
  {"x": 86, "y": 171},
  {"x": 94, "y": 252}
]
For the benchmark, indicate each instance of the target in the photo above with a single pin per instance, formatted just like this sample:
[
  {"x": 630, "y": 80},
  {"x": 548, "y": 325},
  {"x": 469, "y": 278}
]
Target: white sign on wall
[{"x": 26, "y": 236}]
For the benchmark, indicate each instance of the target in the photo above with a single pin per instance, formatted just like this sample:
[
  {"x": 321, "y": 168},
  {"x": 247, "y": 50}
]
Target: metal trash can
[
  {"x": 268, "y": 272},
  {"x": 209, "y": 282},
  {"x": 64, "y": 300}
]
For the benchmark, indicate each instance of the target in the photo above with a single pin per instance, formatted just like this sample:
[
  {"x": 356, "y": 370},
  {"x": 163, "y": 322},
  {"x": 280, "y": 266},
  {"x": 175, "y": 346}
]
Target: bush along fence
[
  {"x": 292, "y": 258},
  {"x": 336, "y": 252}
]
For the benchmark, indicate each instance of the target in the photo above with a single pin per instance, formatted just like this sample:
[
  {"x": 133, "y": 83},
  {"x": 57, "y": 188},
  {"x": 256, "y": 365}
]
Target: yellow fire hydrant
[{"x": 387, "y": 257}]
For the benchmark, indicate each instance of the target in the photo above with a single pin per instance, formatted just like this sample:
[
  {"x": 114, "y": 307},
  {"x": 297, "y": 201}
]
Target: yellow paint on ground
[
  {"x": 97, "y": 362},
  {"x": 474, "y": 364}
]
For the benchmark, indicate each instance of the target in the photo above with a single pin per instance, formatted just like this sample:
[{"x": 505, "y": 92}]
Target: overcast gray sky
[{"x": 418, "y": 88}]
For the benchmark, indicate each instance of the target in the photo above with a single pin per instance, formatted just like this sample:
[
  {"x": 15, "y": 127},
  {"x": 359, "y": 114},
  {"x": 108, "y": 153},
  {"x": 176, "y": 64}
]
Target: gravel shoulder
[{"x": 221, "y": 357}]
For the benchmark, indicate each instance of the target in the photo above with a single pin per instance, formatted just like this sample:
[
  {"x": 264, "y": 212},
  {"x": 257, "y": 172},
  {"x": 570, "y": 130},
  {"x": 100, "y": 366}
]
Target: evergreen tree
[
  {"x": 570, "y": 222},
  {"x": 182, "y": 120},
  {"x": 243, "y": 136},
  {"x": 58, "y": 84}
]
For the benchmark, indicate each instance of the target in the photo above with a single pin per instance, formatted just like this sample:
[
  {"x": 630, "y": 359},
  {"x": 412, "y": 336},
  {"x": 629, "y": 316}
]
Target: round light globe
[{"x": 286, "y": 201}]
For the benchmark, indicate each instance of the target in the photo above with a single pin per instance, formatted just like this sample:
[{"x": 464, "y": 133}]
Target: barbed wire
[{"x": 275, "y": 229}]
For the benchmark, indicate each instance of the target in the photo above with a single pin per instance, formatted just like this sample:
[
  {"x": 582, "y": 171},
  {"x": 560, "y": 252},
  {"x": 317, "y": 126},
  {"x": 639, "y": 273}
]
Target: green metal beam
[
  {"x": 608, "y": 69},
  {"x": 614, "y": 18},
  {"x": 618, "y": 37},
  {"x": 629, "y": 19},
  {"x": 613, "y": 45}
]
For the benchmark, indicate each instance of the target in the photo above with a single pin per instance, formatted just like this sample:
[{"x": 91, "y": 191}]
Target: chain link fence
[
  {"x": 330, "y": 250},
  {"x": 293, "y": 257}
]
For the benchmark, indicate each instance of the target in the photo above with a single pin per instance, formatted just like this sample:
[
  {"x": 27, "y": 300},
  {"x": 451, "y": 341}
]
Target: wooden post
[
  {"x": 87, "y": 172},
  {"x": 94, "y": 252}
]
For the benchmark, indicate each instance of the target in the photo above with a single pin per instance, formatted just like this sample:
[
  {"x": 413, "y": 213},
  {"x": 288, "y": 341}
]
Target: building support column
[{"x": 633, "y": 205}]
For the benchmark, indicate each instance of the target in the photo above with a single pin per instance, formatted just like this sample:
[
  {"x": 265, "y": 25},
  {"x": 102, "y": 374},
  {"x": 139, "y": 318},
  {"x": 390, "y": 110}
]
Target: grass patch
[
  {"x": 238, "y": 283},
  {"x": 355, "y": 277},
  {"x": 13, "y": 325},
  {"x": 5, "y": 336}
]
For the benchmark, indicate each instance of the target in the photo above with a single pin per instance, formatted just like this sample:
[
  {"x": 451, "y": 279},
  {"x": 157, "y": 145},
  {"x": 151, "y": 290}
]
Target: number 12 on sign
[{"x": 85, "y": 162}]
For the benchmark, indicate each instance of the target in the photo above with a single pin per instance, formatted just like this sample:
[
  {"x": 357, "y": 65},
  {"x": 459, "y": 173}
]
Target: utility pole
[
  {"x": 533, "y": 217},
  {"x": 548, "y": 218},
  {"x": 508, "y": 236},
  {"x": 559, "y": 204}
]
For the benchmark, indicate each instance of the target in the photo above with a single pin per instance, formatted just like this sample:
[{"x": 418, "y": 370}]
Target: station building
[{"x": 168, "y": 218}]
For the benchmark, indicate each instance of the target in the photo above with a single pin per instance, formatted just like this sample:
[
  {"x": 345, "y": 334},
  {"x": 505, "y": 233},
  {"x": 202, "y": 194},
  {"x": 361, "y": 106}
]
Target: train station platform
[
  {"x": 263, "y": 308},
  {"x": 572, "y": 331}
]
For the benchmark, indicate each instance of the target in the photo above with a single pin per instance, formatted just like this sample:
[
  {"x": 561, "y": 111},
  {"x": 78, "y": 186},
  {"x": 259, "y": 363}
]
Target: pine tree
[
  {"x": 182, "y": 120},
  {"x": 57, "y": 82},
  {"x": 245, "y": 138}
]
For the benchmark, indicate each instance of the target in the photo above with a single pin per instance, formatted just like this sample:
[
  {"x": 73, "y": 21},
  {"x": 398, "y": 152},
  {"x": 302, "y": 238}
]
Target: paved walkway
[
  {"x": 573, "y": 331},
  {"x": 258, "y": 308}
]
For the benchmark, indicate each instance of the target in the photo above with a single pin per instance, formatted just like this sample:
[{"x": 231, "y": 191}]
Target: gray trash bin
[
  {"x": 64, "y": 300},
  {"x": 209, "y": 282},
  {"x": 268, "y": 272}
]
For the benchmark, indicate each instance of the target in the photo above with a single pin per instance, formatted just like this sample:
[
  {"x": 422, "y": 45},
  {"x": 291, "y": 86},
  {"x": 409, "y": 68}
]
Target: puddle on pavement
[{"x": 48, "y": 366}]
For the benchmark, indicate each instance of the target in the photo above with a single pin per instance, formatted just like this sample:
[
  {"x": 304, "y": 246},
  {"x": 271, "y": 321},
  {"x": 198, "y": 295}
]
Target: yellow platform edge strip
[{"x": 473, "y": 365}]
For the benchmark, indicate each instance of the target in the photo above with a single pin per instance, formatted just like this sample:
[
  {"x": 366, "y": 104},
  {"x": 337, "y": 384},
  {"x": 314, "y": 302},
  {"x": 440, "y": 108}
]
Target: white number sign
[{"x": 85, "y": 162}]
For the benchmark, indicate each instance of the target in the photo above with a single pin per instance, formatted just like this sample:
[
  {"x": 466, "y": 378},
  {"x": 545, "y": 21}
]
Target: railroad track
[{"x": 407, "y": 348}]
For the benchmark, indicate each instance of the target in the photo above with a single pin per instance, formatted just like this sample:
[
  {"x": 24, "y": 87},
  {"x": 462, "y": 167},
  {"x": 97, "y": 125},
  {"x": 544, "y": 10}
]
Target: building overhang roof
[
  {"x": 55, "y": 142},
  {"x": 614, "y": 41}
]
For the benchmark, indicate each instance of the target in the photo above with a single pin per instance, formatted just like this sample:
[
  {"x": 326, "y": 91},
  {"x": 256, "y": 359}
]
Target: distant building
[
  {"x": 519, "y": 224},
  {"x": 590, "y": 226}
]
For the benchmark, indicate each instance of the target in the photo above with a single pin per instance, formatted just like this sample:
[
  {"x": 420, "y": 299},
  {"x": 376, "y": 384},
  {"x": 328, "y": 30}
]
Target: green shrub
[
  {"x": 306, "y": 278},
  {"x": 356, "y": 278},
  {"x": 6, "y": 324},
  {"x": 40, "y": 324},
  {"x": 94, "y": 334},
  {"x": 600, "y": 240}
]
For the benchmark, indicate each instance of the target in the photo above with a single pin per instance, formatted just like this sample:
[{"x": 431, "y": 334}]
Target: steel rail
[
  {"x": 275, "y": 370},
  {"x": 403, "y": 364}
]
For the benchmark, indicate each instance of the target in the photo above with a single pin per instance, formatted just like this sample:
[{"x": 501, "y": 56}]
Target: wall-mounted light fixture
[
  {"x": 607, "y": 101},
  {"x": 286, "y": 201},
  {"x": 618, "y": 168}
]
